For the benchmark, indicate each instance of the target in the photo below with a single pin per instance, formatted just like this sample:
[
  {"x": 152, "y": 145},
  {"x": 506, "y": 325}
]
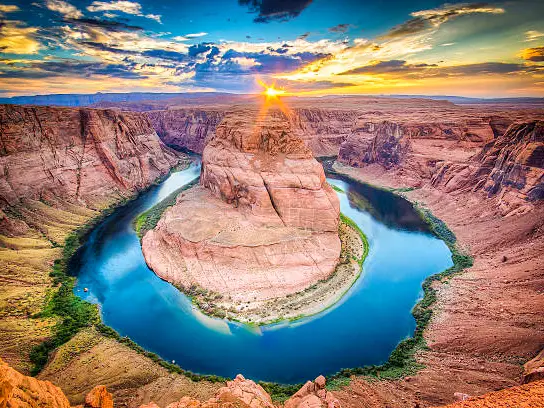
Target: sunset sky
[{"x": 312, "y": 47}]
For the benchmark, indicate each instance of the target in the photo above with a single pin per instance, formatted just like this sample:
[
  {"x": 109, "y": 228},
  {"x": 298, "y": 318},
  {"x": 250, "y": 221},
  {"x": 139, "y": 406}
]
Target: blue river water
[{"x": 363, "y": 328}]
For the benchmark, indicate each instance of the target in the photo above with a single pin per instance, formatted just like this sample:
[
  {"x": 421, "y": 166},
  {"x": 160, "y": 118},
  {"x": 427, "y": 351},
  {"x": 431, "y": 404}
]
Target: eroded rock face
[
  {"x": 384, "y": 143},
  {"x": 313, "y": 395},
  {"x": 85, "y": 156},
  {"x": 20, "y": 391},
  {"x": 99, "y": 397},
  {"x": 266, "y": 223},
  {"x": 189, "y": 128},
  {"x": 533, "y": 370},
  {"x": 510, "y": 168},
  {"x": 237, "y": 393}
]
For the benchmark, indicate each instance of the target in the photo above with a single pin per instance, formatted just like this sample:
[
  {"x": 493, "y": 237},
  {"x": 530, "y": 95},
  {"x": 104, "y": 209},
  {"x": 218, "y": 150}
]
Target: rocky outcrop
[
  {"x": 278, "y": 229},
  {"x": 245, "y": 393},
  {"x": 188, "y": 129},
  {"x": 99, "y": 397},
  {"x": 527, "y": 395},
  {"x": 510, "y": 168},
  {"x": 19, "y": 391},
  {"x": 533, "y": 370},
  {"x": 313, "y": 395},
  {"x": 384, "y": 143}
]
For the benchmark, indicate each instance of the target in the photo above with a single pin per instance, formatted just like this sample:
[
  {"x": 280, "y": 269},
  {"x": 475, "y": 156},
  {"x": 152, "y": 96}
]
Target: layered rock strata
[
  {"x": 510, "y": 168},
  {"x": 85, "y": 156},
  {"x": 263, "y": 223}
]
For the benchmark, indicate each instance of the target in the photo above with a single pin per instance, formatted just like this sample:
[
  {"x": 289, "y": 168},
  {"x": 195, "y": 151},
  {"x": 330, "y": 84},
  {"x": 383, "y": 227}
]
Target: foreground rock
[
  {"x": 263, "y": 224},
  {"x": 19, "y": 391},
  {"x": 313, "y": 395},
  {"x": 533, "y": 370}
]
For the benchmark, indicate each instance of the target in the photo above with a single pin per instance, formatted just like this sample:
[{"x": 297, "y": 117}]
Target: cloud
[
  {"x": 124, "y": 6},
  {"x": 340, "y": 28},
  {"x": 195, "y": 35},
  {"x": 533, "y": 54},
  {"x": 425, "y": 20},
  {"x": 403, "y": 69},
  {"x": 64, "y": 8},
  {"x": 105, "y": 24},
  {"x": 8, "y": 8},
  {"x": 384, "y": 67},
  {"x": 44, "y": 69},
  {"x": 15, "y": 38},
  {"x": 275, "y": 10},
  {"x": 533, "y": 35}
]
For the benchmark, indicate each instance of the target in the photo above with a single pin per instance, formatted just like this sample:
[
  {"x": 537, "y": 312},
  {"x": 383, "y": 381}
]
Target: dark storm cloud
[
  {"x": 103, "y": 47},
  {"x": 110, "y": 25},
  {"x": 484, "y": 68},
  {"x": 275, "y": 10},
  {"x": 69, "y": 68},
  {"x": 534, "y": 54},
  {"x": 340, "y": 28},
  {"x": 197, "y": 49}
]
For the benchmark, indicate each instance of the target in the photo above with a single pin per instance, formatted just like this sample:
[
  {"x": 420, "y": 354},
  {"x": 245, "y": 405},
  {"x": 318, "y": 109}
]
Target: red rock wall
[{"x": 85, "y": 156}]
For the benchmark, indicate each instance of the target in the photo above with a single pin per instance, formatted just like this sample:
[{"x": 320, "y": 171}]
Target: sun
[{"x": 272, "y": 92}]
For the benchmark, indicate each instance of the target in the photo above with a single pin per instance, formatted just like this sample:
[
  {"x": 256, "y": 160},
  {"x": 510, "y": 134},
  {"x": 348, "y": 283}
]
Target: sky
[{"x": 306, "y": 47}]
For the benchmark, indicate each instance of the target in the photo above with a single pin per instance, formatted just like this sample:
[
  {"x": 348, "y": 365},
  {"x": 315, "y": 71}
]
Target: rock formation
[
  {"x": 277, "y": 232},
  {"x": 189, "y": 128},
  {"x": 99, "y": 397},
  {"x": 313, "y": 395},
  {"x": 533, "y": 370},
  {"x": 20, "y": 391},
  {"x": 510, "y": 168},
  {"x": 85, "y": 156},
  {"x": 383, "y": 143}
]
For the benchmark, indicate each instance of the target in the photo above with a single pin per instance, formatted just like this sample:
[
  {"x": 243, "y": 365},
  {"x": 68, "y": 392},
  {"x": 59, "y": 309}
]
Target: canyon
[{"x": 476, "y": 166}]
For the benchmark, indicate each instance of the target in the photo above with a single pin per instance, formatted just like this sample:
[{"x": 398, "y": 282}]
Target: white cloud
[
  {"x": 196, "y": 35},
  {"x": 124, "y": 6},
  {"x": 533, "y": 35},
  {"x": 64, "y": 8}
]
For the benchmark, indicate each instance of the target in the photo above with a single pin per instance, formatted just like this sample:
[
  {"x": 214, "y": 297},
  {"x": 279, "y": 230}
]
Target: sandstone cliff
[
  {"x": 85, "y": 156},
  {"x": 383, "y": 143},
  {"x": 277, "y": 232},
  {"x": 58, "y": 168},
  {"x": 323, "y": 130},
  {"x": 510, "y": 169},
  {"x": 189, "y": 128}
]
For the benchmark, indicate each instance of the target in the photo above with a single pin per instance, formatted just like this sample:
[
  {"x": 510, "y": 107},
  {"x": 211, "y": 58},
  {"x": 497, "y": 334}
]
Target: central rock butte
[{"x": 262, "y": 224}]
